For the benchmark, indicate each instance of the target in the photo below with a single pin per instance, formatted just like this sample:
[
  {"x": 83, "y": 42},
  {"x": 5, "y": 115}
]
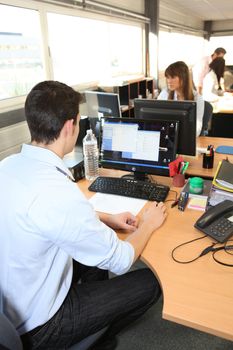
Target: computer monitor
[
  {"x": 139, "y": 146},
  {"x": 102, "y": 104},
  {"x": 182, "y": 111}
]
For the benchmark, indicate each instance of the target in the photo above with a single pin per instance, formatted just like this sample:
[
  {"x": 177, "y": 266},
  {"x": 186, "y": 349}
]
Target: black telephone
[{"x": 217, "y": 222}]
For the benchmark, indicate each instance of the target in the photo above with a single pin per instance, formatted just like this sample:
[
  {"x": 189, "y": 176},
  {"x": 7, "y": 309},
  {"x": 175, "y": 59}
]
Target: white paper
[{"x": 112, "y": 204}]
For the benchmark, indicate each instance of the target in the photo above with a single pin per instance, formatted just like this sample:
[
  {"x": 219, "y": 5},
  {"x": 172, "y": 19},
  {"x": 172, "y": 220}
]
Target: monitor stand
[{"x": 136, "y": 175}]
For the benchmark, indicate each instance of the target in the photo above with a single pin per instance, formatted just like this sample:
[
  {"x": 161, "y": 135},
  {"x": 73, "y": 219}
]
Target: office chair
[
  {"x": 10, "y": 339},
  {"x": 208, "y": 111}
]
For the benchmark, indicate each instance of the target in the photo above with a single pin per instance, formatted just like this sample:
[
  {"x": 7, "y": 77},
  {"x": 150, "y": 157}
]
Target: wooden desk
[
  {"x": 195, "y": 166},
  {"x": 199, "y": 294}
]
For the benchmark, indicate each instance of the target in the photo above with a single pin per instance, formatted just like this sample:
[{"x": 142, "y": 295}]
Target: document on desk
[{"x": 113, "y": 204}]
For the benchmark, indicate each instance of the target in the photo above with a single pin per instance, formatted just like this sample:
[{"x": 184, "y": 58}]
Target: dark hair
[
  {"x": 48, "y": 106},
  {"x": 181, "y": 70},
  {"x": 220, "y": 50},
  {"x": 218, "y": 66}
]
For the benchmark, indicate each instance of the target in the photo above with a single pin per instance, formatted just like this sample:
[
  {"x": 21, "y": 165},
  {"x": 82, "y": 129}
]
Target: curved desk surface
[{"x": 199, "y": 294}]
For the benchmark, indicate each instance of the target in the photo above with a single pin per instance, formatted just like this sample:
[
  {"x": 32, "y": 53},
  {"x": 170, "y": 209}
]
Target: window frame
[{"x": 43, "y": 8}]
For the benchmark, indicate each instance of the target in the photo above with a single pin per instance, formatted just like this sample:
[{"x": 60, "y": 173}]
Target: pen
[
  {"x": 178, "y": 169},
  {"x": 211, "y": 150},
  {"x": 185, "y": 167},
  {"x": 181, "y": 167}
]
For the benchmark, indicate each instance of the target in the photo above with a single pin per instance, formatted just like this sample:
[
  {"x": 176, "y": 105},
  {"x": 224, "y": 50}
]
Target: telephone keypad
[
  {"x": 221, "y": 228},
  {"x": 217, "y": 222}
]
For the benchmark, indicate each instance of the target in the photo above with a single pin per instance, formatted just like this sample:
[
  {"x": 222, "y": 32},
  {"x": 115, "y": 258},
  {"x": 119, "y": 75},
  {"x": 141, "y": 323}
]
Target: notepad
[
  {"x": 197, "y": 203},
  {"x": 224, "y": 176},
  {"x": 112, "y": 204}
]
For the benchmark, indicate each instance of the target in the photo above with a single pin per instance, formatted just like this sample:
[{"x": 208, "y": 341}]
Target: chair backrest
[
  {"x": 9, "y": 338},
  {"x": 208, "y": 111}
]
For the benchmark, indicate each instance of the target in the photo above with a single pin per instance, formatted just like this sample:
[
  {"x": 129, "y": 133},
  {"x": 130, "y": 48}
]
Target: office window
[
  {"x": 20, "y": 51},
  {"x": 85, "y": 50},
  {"x": 178, "y": 47},
  {"x": 126, "y": 49}
]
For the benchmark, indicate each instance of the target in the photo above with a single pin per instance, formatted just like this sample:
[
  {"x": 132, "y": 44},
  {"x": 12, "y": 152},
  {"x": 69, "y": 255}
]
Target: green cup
[{"x": 196, "y": 185}]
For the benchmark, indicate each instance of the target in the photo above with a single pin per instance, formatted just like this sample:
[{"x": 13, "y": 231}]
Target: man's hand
[
  {"x": 122, "y": 221},
  {"x": 152, "y": 218},
  {"x": 155, "y": 215}
]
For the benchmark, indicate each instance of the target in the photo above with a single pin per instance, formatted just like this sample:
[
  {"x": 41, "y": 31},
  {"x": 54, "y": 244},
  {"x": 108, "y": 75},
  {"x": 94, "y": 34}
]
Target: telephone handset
[{"x": 217, "y": 222}]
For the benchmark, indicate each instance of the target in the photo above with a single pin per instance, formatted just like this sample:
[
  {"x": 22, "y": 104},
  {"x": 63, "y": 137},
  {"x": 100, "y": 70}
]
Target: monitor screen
[
  {"x": 141, "y": 146},
  {"x": 182, "y": 111},
  {"x": 102, "y": 104}
]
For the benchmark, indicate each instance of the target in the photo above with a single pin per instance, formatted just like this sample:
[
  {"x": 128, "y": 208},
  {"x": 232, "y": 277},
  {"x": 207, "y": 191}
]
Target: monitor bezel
[{"x": 172, "y": 110}]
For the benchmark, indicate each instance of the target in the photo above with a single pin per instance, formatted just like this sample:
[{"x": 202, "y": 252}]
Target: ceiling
[{"x": 206, "y": 10}]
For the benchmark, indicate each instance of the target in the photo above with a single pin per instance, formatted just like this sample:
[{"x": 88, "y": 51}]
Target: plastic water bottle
[{"x": 91, "y": 156}]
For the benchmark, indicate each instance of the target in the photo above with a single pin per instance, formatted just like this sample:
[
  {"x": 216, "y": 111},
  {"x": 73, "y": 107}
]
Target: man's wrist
[{"x": 104, "y": 217}]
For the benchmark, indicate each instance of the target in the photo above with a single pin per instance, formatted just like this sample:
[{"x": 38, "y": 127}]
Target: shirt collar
[{"x": 46, "y": 156}]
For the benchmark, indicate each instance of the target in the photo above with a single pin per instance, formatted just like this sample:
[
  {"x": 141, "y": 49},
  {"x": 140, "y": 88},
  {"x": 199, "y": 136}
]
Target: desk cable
[
  {"x": 227, "y": 248},
  {"x": 175, "y": 201}
]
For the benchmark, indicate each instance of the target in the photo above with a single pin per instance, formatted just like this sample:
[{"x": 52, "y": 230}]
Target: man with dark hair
[
  {"x": 55, "y": 251},
  {"x": 202, "y": 68}
]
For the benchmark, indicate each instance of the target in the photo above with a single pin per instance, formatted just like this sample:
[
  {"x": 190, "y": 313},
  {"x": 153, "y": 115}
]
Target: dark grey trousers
[{"x": 94, "y": 303}]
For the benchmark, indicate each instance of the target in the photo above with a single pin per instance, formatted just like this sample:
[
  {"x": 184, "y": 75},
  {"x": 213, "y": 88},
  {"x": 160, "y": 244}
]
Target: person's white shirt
[
  {"x": 210, "y": 91},
  {"x": 45, "y": 222},
  {"x": 200, "y": 69},
  {"x": 200, "y": 107}
]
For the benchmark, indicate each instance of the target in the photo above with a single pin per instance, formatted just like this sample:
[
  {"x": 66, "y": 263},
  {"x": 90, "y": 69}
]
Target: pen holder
[
  {"x": 208, "y": 160},
  {"x": 178, "y": 180}
]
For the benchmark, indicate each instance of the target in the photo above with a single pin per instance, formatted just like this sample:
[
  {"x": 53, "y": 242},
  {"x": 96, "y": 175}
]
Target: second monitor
[
  {"x": 182, "y": 111},
  {"x": 102, "y": 104}
]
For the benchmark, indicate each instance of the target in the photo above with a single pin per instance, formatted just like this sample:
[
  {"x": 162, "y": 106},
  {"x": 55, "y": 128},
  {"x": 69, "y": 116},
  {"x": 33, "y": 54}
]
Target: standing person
[
  {"x": 201, "y": 68},
  {"x": 213, "y": 84},
  {"x": 180, "y": 87},
  {"x": 51, "y": 239}
]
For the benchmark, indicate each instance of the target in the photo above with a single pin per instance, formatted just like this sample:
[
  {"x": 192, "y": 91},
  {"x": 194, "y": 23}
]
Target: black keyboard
[{"x": 130, "y": 188}]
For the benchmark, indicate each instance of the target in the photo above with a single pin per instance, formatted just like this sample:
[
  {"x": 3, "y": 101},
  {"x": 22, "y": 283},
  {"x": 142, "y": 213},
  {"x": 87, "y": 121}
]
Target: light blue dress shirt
[{"x": 45, "y": 221}]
